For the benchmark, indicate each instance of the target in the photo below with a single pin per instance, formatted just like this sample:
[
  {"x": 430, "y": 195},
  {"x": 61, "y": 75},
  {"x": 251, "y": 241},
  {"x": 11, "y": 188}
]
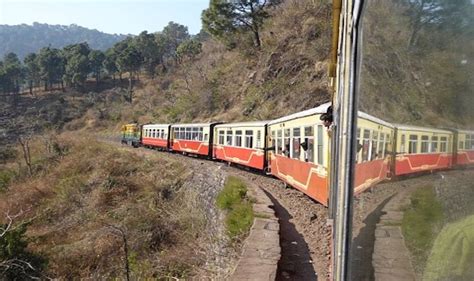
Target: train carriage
[
  {"x": 192, "y": 138},
  {"x": 373, "y": 158},
  {"x": 156, "y": 135},
  {"x": 422, "y": 149},
  {"x": 299, "y": 154},
  {"x": 242, "y": 143},
  {"x": 465, "y": 149}
]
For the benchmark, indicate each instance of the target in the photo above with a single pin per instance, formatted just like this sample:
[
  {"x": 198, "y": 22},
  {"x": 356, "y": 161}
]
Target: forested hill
[{"x": 24, "y": 39}]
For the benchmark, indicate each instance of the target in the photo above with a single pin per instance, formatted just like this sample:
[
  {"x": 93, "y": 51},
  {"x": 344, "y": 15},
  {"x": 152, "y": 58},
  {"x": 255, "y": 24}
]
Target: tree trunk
[
  {"x": 31, "y": 87},
  {"x": 130, "y": 86},
  {"x": 256, "y": 35}
]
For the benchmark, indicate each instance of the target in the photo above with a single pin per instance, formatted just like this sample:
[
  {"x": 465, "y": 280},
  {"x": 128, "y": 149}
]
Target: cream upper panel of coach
[
  {"x": 375, "y": 138},
  {"x": 155, "y": 131},
  {"x": 244, "y": 134},
  {"x": 417, "y": 140},
  {"x": 310, "y": 132}
]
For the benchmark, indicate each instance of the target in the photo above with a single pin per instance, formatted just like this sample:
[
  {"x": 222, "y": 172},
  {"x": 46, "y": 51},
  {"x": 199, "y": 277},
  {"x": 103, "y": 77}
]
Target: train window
[
  {"x": 187, "y": 133},
  {"x": 412, "y": 144},
  {"x": 469, "y": 142},
  {"x": 402, "y": 144},
  {"x": 229, "y": 137},
  {"x": 320, "y": 136},
  {"x": 309, "y": 144},
  {"x": 165, "y": 135},
  {"x": 296, "y": 143},
  {"x": 365, "y": 146},
  {"x": 273, "y": 143},
  {"x": 359, "y": 146},
  {"x": 443, "y": 144},
  {"x": 221, "y": 137},
  {"x": 461, "y": 145},
  {"x": 248, "y": 139},
  {"x": 373, "y": 150},
  {"x": 279, "y": 142},
  {"x": 195, "y": 134},
  {"x": 381, "y": 146},
  {"x": 434, "y": 144},
  {"x": 238, "y": 138},
  {"x": 286, "y": 148},
  {"x": 162, "y": 133},
  {"x": 200, "y": 132},
  {"x": 259, "y": 139},
  {"x": 425, "y": 144},
  {"x": 206, "y": 137}
]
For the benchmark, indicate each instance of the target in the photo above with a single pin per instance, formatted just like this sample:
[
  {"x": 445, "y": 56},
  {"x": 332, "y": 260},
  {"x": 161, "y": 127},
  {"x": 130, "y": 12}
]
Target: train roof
[
  {"x": 366, "y": 116},
  {"x": 421, "y": 129},
  {"x": 313, "y": 111},
  {"x": 465, "y": 131},
  {"x": 155, "y": 125},
  {"x": 194, "y": 124},
  {"x": 244, "y": 124}
]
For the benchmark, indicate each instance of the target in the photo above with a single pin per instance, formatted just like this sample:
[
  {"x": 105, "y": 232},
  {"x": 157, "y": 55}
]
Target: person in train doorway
[{"x": 327, "y": 117}]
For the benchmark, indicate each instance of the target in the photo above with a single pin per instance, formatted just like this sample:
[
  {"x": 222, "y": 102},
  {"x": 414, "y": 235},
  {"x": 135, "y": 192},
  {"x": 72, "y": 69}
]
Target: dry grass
[{"x": 73, "y": 200}]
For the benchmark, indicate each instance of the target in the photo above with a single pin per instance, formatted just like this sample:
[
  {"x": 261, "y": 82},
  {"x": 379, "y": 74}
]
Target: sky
[{"x": 110, "y": 16}]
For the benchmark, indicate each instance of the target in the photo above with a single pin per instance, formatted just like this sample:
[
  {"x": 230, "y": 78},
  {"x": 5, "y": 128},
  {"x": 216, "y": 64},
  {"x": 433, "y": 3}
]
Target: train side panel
[
  {"x": 155, "y": 135},
  {"x": 423, "y": 150},
  {"x": 375, "y": 142},
  {"x": 300, "y": 154}
]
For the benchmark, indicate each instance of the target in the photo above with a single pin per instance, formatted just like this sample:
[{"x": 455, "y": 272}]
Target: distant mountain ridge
[{"x": 24, "y": 39}]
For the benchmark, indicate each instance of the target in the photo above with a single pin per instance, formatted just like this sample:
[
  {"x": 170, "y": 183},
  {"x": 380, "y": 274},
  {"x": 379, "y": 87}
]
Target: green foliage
[
  {"x": 5, "y": 178},
  {"x": 129, "y": 60},
  {"x": 13, "y": 249},
  {"x": 96, "y": 60},
  {"x": 233, "y": 199},
  {"x": 189, "y": 49},
  {"x": 52, "y": 65},
  {"x": 421, "y": 222},
  {"x": 223, "y": 18}
]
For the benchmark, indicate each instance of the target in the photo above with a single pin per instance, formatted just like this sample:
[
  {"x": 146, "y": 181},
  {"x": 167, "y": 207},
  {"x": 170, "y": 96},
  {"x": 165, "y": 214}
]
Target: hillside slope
[{"x": 24, "y": 39}]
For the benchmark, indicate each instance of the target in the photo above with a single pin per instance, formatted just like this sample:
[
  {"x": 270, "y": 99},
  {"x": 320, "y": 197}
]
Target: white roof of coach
[
  {"x": 421, "y": 129},
  {"x": 244, "y": 124},
  {"x": 465, "y": 131},
  {"x": 366, "y": 116},
  {"x": 151, "y": 126},
  {"x": 317, "y": 110},
  {"x": 192, "y": 125}
]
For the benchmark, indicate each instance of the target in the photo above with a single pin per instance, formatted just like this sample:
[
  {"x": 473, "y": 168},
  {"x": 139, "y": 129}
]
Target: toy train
[{"x": 296, "y": 148}]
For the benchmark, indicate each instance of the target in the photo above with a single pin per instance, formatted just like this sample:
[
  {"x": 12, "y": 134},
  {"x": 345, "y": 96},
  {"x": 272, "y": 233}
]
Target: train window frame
[
  {"x": 374, "y": 145},
  {"x": 200, "y": 133},
  {"x": 358, "y": 152},
  {"x": 227, "y": 136},
  {"x": 287, "y": 142},
  {"x": 461, "y": 145},
  {"x": 295, "y": 143},
  {"x": 412, "y": 144},
  {"x": 468, "y": 142},
  {"x": 443, "y": 144},
  {"x": 434, "y": 144},
  {"x": 425, "y": 144},
  {"x": 309, "y": 140},
  {"x": 273, "y": 140},
  {"x": 366, "y": 143},
  {"x": 381, "y": 146},
  {"x": 220, "y": 137},
  {"x": 238, "y": 138},
  {"x": 258, "y": 143},
  {"x": 279, "y": 149},
  {"x": 248, "y": 139},
  {"x": 403, "y": 143},
  {"x": 320, "y": 144}
]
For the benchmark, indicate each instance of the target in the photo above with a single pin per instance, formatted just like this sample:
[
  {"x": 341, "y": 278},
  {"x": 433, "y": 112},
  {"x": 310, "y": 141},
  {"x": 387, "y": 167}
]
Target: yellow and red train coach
[
  {"x": 421, "y": 149},
  {"x": 156, "y": 135},
  {"x": 375, "y": 141},
  {"x": 242, "y": 143},
  {"x": 465, "y": 149},
  {"x": 192, "y": 138},
  {"x": 299, "y": 154}
]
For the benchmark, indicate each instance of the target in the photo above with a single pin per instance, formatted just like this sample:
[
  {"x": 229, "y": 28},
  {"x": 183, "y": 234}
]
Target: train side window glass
[
  {"x": 461, "y": 145},
  {"x": 469, "y": 142},
  {"x": 443, "y": 144},
  {"x": 387, "y": 143},
  {"x": 273, "y": 143},
  {"x": 195, "y": 134},
  {"x": 229, "y": 137},
  {"x": 162, "y": 133},
  {"x": 373, "y": 151},
  {"x": 259, "y": 139},
  {"x": 381, "y": 146},
  {"x": 238, "y": 138},
  {"x": 206, "y": 137},
  {"x": 402, "y": 144},
  {"x": 279, "y": 142},
  {"x": 296, "y": 143},
  {"x": 425, "y": 144},
  {"x": 286, "y": 148},
  {"x": 165, "y": 134},
  {"x": 309, "y": 144},
  {"x": 434, "y": 144},
  {"x": 359, "y": 146},
  {"x": 248, "y": 138},
  {"x": 200, "y": 134},
  {"x": 365, "y": 146},
  {"x": 221, "y": 137},
  {"x": 320, "y": 145},
  {"x": 412, "y": 144}
]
